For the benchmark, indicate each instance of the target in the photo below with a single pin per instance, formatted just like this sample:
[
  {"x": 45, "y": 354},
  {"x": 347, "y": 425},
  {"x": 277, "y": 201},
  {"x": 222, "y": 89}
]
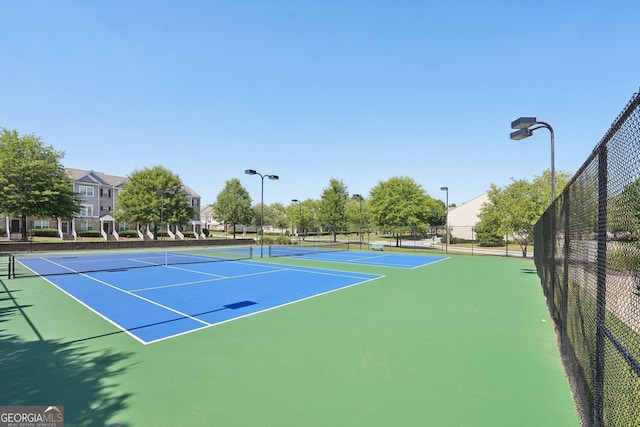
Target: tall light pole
[
  {"x": 446, "y": 203},
  {"x": 262, "y": 177},
  {"x": 299, "y": 202},
  {"x": 162, "y": 193},
  {"x": 359, "y": 197},
  {"x": 526, "y": 126}
]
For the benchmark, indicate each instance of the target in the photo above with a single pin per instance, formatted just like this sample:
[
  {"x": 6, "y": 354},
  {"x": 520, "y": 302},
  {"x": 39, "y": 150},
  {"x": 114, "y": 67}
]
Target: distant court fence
[{"x": 588, "y": 259}]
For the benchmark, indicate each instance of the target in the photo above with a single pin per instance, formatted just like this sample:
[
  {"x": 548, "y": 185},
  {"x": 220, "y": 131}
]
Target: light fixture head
[
  {"x": 250, "y": 172},
  {"x": 521, "y": 134},
  {"x": 444, "y": 188},
  {"x": 523, "y": 122},
  {"x": 273, "y": 177},
  {"x": 295, "y": 200}
]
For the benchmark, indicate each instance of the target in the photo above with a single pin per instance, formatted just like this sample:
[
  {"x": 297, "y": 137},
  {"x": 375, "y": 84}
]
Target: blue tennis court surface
[
  {"x": 380, "y": 259},
  {"x": 160, "y": 302}
]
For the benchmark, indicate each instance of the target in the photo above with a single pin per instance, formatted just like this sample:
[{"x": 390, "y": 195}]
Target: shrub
[
  {"x": 457, "y": 240},
  {"x": 283, "y": 240},
  {"x": 44, "y": 232},
  {"x": 489, "y": 239},
  {"x": 128, "y": 233},
  {"x": 188, "y": 233},
  {"x": 89, "y": 233},
  {"x": 205, "y": 231},
  {"x": 624, "y": 257}
]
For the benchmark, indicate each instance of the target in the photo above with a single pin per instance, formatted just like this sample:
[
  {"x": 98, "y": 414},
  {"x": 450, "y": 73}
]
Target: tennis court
[
  {"x": 328, "y": 253},
  {"x": 179, "y": 291},
  {"x": 462, "y": 342}
]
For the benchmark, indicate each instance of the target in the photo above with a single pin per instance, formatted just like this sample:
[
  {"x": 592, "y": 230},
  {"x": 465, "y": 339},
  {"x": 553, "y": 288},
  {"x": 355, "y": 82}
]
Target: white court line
[
  {"x": 134, "y": 295},
  {"x": 217, "y": 279},
  {"x": 275, "y": 268},
  {"x": 263, "y": 311},
  {"x": 358, "y": 261}
]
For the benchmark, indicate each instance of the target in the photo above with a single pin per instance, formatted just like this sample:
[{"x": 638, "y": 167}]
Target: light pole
[
  {"x": 359, "y": 197},
  {"x": 262, "y": 177},
  {"x": 162, "y": 193},
  {"x": 525, "y": 130},
  {"x": 446, "y": 189},
  {"x": 299, "y": 202}
]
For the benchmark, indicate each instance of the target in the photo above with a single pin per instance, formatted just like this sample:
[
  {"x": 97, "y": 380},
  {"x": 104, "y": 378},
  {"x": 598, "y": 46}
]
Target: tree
[
  {"x": 153, "y": 195},
  {"x": 624, "y": 213},
  {"x": 32, "y": 180},
  {"x": 302, "y": 215},
  {"x": 400, "y": 205},
  {"x": 358, "y": 214},
  {"x": 233, "y": 205},
  {"x": 489, "y": 230},
  {"x": 515, "y": 209},
  {"x": 278, "y": 216},
  {"x": 332, "y": 207}
]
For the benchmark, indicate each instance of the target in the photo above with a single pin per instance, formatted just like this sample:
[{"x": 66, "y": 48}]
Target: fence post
[
  {"x": 566, "y": 198},
  {"x": 598, "y": 383}
]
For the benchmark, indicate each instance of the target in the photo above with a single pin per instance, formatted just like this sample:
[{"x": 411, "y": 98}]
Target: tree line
[
  {"x": 398, "y": 206},
  {"x": 33, "y": 183}
]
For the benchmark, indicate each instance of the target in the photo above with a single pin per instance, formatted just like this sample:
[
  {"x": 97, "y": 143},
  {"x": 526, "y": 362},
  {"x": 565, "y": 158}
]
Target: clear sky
[{"x": 361, "y": 91}]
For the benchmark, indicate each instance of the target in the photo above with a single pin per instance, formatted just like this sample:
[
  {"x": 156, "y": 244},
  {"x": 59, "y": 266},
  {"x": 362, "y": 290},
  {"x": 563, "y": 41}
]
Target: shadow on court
[
  {"x": 232, "y": 306},
  {"x": 49, "y": 372}
]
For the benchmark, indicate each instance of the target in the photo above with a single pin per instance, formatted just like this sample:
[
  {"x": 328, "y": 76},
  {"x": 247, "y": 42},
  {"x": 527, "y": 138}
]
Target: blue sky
[{"x": 361, "y": 91}]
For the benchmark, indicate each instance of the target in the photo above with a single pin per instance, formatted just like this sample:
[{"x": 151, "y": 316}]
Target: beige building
[
  {"x": 463, "y": 218},
  {"x": 99, "y": 192}
]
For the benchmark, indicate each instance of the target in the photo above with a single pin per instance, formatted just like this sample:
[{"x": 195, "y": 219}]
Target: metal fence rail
[{"x": 588, "y": 259}]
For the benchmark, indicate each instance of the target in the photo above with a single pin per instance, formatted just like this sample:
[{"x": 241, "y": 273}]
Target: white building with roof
[
  {"x": 463, "y": 218},
  {"x": 99, "y": 192}
]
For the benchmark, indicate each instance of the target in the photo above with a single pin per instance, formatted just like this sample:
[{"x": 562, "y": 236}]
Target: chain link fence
[{"x": 588, "y": 258}]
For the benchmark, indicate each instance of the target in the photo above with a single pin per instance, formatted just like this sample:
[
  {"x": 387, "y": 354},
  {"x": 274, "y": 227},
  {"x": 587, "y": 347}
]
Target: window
[
  {"x": 123, "y": 226},
  {"x": 38, "y": 223},
  {"x": 85, "y": 190},
  {"x": 86, "y": 226},
  {"x": 86, "y": 210}
]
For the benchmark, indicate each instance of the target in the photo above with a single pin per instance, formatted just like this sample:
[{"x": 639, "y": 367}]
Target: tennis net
[
  {"x": 51, "y": 264},
  {"x": 306, "y": 248}
]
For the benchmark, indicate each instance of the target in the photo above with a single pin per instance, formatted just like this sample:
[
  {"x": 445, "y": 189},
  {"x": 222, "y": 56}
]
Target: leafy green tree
[
  {"x": 274, "y": 216},
  {"x": 358, "y": 214},
  {"x": 278, "y": 217},
  {"x": 624, "y": 213},
  {"x": 233, "y": 205},
  {"x": 437, "y": 212},
  {"x": 33, "y": 182},
  {"x": 153, "y": 195},
  {"x": 311, "y": 214},
  {"x": 490, "y": 230},
  {"x": 400, "y": 205},
  {"x": 332, "y": 213},
  {"x": 302, "y": 216},
  {"x": 515, "y": 209}
]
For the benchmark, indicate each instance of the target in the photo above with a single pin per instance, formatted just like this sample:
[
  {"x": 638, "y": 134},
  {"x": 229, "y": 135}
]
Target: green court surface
[{"x": 463, "y": 342}]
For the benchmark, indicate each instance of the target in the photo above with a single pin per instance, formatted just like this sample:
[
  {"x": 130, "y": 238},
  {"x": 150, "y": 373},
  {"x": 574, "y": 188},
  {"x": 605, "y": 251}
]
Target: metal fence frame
[{"x": 588, "y": 274}]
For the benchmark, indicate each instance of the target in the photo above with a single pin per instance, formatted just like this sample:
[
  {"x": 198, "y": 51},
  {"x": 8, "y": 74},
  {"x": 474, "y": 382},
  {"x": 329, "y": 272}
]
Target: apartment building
[{"x": 99, "y": 192}]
